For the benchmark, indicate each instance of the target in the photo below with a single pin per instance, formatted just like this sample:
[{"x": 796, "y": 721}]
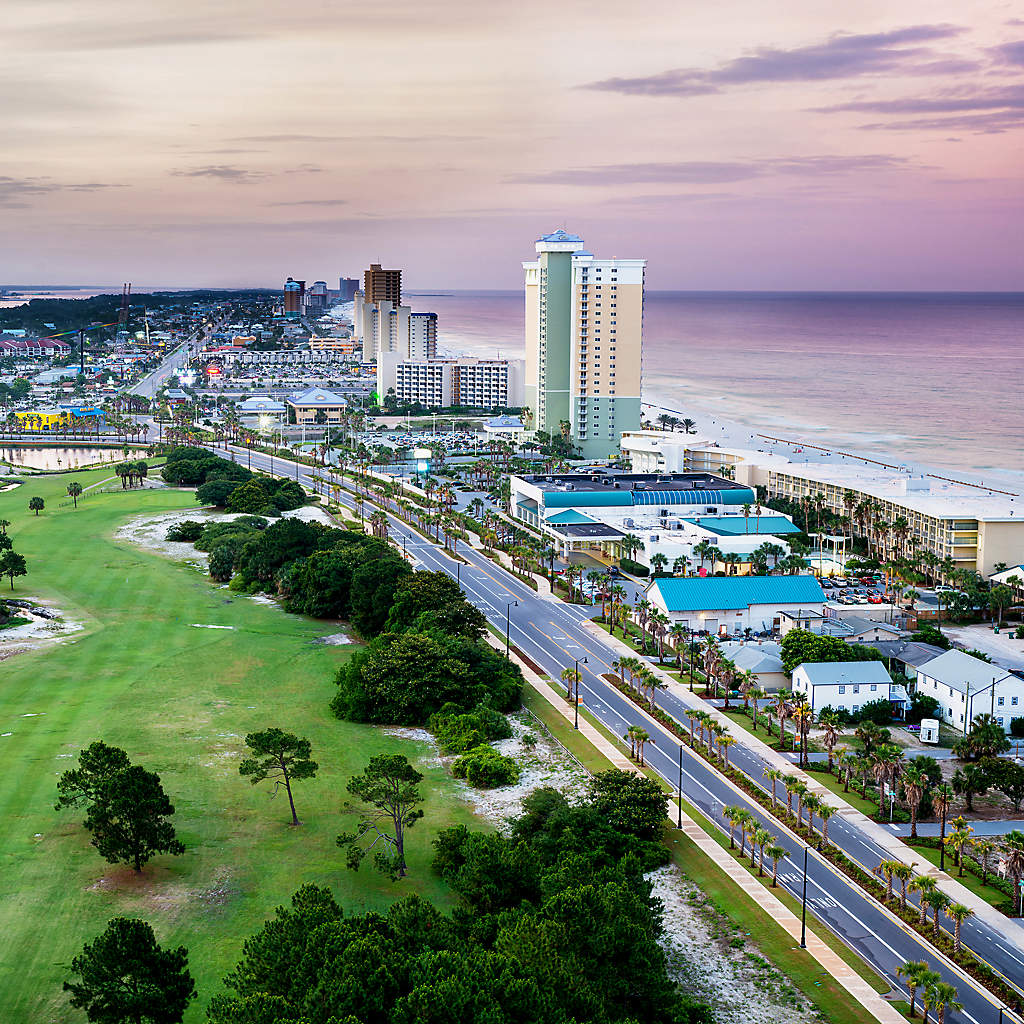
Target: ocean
[{"x": 924, "y": 378}]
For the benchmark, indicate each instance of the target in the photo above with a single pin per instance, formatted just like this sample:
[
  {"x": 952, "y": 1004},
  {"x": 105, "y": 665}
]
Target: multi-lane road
[{"x": 554, "y": 636}]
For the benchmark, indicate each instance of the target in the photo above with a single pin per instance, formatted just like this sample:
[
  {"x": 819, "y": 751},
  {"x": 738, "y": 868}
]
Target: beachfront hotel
[
  {"x": 977, "y": 527},
  {"x": 584, "y": 326}
]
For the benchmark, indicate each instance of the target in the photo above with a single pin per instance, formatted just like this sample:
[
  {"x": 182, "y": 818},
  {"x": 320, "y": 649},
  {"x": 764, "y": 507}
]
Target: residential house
[
  {"x": 966, "y": 686},
  {"x": 848, "y": 685}
]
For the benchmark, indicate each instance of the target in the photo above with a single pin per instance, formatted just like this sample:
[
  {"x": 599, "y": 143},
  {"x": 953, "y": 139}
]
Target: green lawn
[{"x": 179, "y": 699}]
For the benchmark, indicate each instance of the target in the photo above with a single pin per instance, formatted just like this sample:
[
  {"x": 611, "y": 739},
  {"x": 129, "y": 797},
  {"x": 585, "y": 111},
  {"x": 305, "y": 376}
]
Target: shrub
[
  {"x": 877, "y": 711},
  {"x": 485, "y": 768},
  {"x": 249, "y": 497},
  {"x": 222, "y": 560},
  {"x": 458, "y": 732},
  {"x": 188, "y": 531},
  {"x": 1017, "y": 727},
  {"x": 628, "y": 565},
  {"x": 216, "y": 492}
]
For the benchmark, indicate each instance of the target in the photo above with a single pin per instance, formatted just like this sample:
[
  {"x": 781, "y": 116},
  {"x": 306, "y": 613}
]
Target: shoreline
[{"x": 821, "y": 447}]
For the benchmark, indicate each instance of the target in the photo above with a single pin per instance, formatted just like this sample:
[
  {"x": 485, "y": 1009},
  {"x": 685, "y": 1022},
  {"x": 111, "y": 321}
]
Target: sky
[{"x": 744, "y": 144}]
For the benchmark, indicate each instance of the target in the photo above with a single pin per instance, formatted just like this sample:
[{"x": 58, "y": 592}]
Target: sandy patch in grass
[
  {"x": 45, "y": 627},
  {"x": 334, "y": 639}
]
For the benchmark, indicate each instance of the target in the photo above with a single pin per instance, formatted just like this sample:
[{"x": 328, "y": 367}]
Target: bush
[
  {"x": 222, "y": 560},
  {"x": 877, "y": 711},
  {"x": 484, "y": 767},
  {"x": 458, "y": 732},
  {"x": 249, "y": 497},
  {"x": 216, "y": 492},
  {"x": 628, "y": 565},
  {"x": 922, "y": 706},
  {"x": 188, "y": 531},
  {"x": 1017, "y": 727}
]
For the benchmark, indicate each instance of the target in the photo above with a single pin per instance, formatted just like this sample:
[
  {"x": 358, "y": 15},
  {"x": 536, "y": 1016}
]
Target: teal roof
[
  {"x": 560, "y": 236},
  {"x": 731, "y": 526},
  {"x": 595, "y": 499},
  {"x": 711, "y": 593},
  {"x": 570, "y": 515}
]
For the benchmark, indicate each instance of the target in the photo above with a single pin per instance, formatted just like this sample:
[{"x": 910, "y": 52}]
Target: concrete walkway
[
  {"x": 830, "y": 961},
  {"x": 881, "y": 835}
]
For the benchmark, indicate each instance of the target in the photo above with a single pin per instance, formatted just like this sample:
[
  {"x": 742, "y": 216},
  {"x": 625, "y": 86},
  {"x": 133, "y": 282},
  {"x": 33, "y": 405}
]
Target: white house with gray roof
[
  {"x": 966, "y": 687},
  {"x": 848, "y": 685}
]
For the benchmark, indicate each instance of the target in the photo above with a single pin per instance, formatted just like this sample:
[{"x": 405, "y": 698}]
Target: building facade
[
  {"x": 441, "y": 383},
  {"x": 294, "y": 292},
  {"x": 381, "y": 285},
  {"x": 584, "y": 328}
]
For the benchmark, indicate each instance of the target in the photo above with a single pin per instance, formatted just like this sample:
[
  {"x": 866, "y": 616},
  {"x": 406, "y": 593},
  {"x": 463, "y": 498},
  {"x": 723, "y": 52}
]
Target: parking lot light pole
[{"x": 576, "y": 677}]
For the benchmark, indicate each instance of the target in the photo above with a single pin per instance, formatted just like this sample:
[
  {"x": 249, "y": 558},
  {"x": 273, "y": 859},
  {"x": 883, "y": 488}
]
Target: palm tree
[
  {"x": 748, "y": 824},
  {"x": 774, "y": 853},
  {"x": 904, "y": 872},
  {"x": 983, "y": 850},
  {"x": 773, "y": 775},
  {"x": 825, "y": 811},
  {"x": 941, "y": 997},
  {"x": 915, "y": 781},
  {"x": 957, "y": 840},
  {"x": 74, "y": 490},
  {"x": 922, "y": 885},
  {"x": 1013, "y": 859},
  {"x": 571, "y": 678},
  {"x": 803, "y": 718},
  {"x": 830, "y": 737},
  {"x": 958, "y": 913},
  {"x": 758, "y": 839},
  {"x": 887, "y": 868},
  {"x": 810, "y": 802},
  {"x": 916, "y": 975},
  {"x": 724, "y": 743},
  {"x": 731, "y": 814}
]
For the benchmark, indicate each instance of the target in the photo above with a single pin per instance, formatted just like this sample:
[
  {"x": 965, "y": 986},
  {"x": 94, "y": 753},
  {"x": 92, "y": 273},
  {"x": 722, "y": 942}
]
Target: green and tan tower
[{"x": 584, "y": 329}]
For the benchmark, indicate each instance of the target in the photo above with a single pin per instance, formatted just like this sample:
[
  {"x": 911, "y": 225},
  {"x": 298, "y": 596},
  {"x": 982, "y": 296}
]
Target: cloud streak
[
  {"x": 710, "y": 172},
  {"x": 227, "y": 173},
  {"x": 843, "y": 55}
]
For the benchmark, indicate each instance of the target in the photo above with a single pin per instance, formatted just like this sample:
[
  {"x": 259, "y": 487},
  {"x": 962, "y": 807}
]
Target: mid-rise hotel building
[{"x": 584, "y": 326}]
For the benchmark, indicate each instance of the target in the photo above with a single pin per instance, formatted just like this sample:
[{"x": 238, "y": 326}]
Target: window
[
  {"x": 842, "y": 689},
  {"x": 1013, "y": 701},
  {"x": 874, "y": 687},
  {"x": 856, "y": 688},
  {"x": 1002, "y": 701},
  {"x": 999, "y": 720}
]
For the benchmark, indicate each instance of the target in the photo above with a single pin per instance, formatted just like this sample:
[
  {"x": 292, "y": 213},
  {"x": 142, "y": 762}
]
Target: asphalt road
[
  {"x": 551, "y": 633},
  {"x": 172, "y": 363}
]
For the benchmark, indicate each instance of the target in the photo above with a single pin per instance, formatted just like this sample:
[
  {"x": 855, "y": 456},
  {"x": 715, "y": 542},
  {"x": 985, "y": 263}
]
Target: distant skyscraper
[
  {"x": 316, "y": 297},
  {"x": 347, "y": 287},
  {"x": 382, "y": 285},
  {"x": 293, "y": 297},
  {"x": 584, "y": 325}
]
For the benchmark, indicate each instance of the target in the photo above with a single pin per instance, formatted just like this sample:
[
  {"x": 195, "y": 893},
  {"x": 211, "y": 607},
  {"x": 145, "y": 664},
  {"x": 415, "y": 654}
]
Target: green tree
[
  {"x": 12, "y": 564},
  {"x": 916, "y": 974},
  {"x": 74, "y": 490},
  {"x": 631, "y": 803},
  {"x": 389, "y": 786},
  {"x": 281, "y": 757},
  {"x": 128, "y": 819},
  {"x": 36, "y": 505},
  {"x": 124, "y": 977},
  {"x": 1008, "y": 778},
  {"x": 96, "y": 764},
  {"x": 970, "y": 781}
]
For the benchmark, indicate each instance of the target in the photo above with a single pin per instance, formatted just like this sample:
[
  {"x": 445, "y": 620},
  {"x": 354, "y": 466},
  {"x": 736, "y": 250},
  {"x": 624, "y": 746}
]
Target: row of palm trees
[
  {"x": 936, "y": 994},
  {"x": 798, "y": 790},
  {"x": 761, "y": 841}
]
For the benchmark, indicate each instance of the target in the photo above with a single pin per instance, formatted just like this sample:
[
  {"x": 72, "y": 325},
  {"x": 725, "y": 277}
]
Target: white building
[
  {"x": 966, "y": 687},
  {"x": 440, "y": 383},
  {"x": 978, "y": 527},
  {"x": 848, "y": 685}
]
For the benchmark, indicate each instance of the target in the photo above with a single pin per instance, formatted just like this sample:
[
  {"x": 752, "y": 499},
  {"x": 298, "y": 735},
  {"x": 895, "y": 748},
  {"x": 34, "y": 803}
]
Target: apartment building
[
  {"x": 978, "y": 527},
  {"x": 440, "y": 383},
  {"x": 584, "y": 329}
]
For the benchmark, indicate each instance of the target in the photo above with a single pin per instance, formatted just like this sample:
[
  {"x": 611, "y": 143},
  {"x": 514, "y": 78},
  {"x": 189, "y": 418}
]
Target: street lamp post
[
  {"x": 576, "y": 678},
  {"x": 803, "y": 907},
  {"x": 679, "y": 823},
  {"x": 691, "y": 663},
  {"x": 508, "y": 621}
]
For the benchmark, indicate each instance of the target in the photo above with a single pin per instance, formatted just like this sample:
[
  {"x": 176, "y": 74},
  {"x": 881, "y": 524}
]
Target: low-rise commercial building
[
  {"x": 317, "y": 405},
  {"x": 440, "y": 383},
  {"x": 728, "y": 605}
]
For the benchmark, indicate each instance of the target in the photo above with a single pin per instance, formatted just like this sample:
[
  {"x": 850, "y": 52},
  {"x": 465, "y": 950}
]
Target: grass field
[{"x": 179, "y": 699}]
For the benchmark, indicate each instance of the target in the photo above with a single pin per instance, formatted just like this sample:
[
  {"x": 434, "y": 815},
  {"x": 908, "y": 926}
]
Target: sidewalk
[
  {"x": 881, "y": 835},
  {"x": 873, "y": 1003}
]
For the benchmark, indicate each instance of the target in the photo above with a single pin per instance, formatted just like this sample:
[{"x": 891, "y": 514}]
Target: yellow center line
[{"x": 567, "y": 654}]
